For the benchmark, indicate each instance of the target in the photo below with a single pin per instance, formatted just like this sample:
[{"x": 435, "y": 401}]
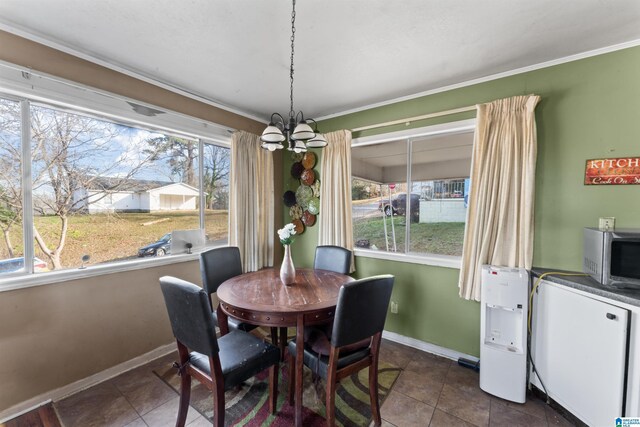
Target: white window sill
[
  {"x": 447, "y": 261},
  {"x": 39, "y": 279}
]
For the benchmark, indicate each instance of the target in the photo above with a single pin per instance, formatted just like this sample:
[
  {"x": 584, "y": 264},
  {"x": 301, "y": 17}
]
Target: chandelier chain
[
  {"x": 296, "y": 132},
  {"x": 293, "y": 38}
]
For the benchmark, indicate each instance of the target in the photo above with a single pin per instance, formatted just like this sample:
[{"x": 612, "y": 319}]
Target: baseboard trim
[
  {"x": 75, "y": 387},
  {"x": 69, "y": 389},
  {"x": 427, "y": 347}
]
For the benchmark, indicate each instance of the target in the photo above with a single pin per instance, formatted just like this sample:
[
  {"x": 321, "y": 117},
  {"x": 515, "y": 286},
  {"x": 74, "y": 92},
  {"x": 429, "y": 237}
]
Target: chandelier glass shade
[{"x": 296, "y": 132}]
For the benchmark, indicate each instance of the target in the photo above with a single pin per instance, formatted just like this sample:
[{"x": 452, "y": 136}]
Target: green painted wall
[{"x": 589, "y": 109}]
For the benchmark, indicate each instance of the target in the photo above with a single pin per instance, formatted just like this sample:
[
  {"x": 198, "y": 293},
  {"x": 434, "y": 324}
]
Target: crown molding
[
  {"x": 55, "y": 44},
  {"x": 106, "y": 63},
  {"x": 539, "y": 66}
]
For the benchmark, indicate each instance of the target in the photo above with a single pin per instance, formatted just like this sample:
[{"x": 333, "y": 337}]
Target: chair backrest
[
  {"x": 218, "y": 265},
  {"x": 333, "y": 258},
  {"x": 361, "y": 310},
  {"x": 190, "y": 315}
]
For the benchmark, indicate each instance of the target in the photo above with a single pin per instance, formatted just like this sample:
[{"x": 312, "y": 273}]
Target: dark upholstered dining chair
[
  {"x": 338, "y": 260},
  {"x": 219, "y": 364},
  {"x": 360, "y": 316},
  {"x": 332, "y": 258},
  {"x": 216, "y": 266}
]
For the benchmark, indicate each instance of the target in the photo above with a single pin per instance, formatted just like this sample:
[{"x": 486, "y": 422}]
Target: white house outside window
[{"x": 102, "y": 189}]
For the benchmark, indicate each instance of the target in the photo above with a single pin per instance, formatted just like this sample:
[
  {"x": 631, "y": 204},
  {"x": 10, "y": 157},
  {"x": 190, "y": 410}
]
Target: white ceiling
[{"x": 349, "y": 54}]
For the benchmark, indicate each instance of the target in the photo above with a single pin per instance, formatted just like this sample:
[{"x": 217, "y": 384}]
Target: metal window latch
[{"x": 611, "y": 316}]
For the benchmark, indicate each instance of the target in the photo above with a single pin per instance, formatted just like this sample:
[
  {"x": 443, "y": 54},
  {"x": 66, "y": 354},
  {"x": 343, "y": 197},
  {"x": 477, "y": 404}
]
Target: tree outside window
[{"x": 103, "y": 189}]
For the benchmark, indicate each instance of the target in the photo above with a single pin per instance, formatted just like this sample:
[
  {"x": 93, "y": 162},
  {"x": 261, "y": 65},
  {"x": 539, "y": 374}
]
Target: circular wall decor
[
  {"x": 304, "y": 203},
  {"x": 309, "y": 160},
  {"x": 298, "y": 225},
  {"x": 304, "y": 193},
  {"x": 308, "y": 177},
  {"x": 316, "y": 188},
  {"x": 308, "y": 218},
  {"x": 289, "y": 198},
  {"x": 314, "y": 206},
  {"x": 295, "y": 212},
  {"x": 296, "y": 170}
]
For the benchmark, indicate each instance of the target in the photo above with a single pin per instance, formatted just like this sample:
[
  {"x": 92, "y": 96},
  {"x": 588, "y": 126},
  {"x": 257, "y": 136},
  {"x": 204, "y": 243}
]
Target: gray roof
[{"x": 99, "y": 183}]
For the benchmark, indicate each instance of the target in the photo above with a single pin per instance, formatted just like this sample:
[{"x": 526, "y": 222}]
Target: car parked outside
[
  {"x": 399, "y": 206},
  {"x": 159, "y": 248},
  {"x": 14, "y": 264}
]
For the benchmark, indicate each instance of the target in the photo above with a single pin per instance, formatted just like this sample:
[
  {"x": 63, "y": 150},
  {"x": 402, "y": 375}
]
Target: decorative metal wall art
[{"x": 304, "y": 203}]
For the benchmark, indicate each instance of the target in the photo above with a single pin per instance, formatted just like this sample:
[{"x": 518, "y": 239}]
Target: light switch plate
[{"x": 607, "y": 223}]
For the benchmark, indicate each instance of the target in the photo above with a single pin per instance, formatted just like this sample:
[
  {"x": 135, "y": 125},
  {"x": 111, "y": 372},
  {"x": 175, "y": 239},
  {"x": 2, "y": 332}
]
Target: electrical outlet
[
  {"x": 607, "y": 223},
  {"x": 394, "y": 307}
]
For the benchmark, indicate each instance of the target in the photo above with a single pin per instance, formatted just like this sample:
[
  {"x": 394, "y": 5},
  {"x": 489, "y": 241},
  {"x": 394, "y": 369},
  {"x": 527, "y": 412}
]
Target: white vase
[{"x": 287, "y": 270}]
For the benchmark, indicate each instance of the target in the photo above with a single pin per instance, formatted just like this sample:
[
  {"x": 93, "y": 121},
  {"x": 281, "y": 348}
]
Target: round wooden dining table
[{"x": 260, "y": 298}]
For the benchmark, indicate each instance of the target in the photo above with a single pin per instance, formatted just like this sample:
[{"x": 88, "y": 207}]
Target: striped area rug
[{"x": 248, "y": 406}]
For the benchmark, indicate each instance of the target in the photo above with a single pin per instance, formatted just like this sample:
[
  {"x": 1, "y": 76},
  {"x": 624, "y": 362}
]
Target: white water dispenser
[{"x": 503, "y": 332}]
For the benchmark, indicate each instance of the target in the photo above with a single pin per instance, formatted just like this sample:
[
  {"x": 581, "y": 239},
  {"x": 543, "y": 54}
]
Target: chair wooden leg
[
  {"x": 291, "y": 361},
  {"x": 331, "y": 403},
  {"x": 217, "y": 390},
  {"x": 373, "y": 379},
  {"x": 185, "y": 395},
  {"x": 273, "y": 388},
  {"x": 185, "y": 384},
  {"x": 332, "y": 383},
  {"x": 218, "y": 408},
  {"x": 274, "y": 336},
  {"x": 373, "y": 393}
]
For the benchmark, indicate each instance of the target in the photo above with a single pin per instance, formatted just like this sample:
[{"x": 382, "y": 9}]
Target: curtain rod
[{"x": 416, "y": 118}]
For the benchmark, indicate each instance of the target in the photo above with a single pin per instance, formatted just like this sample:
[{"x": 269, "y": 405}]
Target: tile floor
[{"x": 430, "y": 391}]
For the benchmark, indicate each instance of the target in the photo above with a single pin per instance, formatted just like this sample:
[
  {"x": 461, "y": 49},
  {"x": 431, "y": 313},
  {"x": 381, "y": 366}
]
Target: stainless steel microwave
[{"x": 613, "y": 257}]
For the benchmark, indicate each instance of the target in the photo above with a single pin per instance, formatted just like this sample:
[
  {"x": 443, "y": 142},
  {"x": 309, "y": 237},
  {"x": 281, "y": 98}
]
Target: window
[
  {"x": 104, "y": 189},
  {"x": 216, "y": 165},
  {"x": 410, "y": 193},
  {"x": 12, "y": 246}
]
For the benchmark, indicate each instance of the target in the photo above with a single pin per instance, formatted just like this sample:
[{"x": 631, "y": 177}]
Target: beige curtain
[
  {"x": 334, "y": 221},
  {"x": 251, "y": 198},
  {"x": 499, "y": 227}
]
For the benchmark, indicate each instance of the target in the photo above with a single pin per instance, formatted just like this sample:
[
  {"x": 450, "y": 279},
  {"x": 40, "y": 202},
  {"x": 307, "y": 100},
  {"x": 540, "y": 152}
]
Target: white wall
[
  {"x": 445, "y": 210},
  {"x": 120, "y": 201},
  {"x": 145, "y": 202},
  {"x": 177, "y": 202},
  {"x": 154, "y": 201}
]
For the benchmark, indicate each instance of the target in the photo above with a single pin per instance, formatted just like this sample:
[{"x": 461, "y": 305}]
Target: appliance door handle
[{"x": 611, "y": 316}]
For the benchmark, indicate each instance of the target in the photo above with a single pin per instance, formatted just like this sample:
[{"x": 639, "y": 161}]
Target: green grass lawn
[
  {"x": 444, "y": 238},
  {"x": 108, "y": 237}
]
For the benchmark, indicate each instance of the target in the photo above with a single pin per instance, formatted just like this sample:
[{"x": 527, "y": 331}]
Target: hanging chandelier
[{"x": 296, "y": 130}]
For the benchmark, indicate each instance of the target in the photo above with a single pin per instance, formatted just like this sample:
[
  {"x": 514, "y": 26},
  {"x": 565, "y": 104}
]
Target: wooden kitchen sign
[{"x": 619, "y": 171}]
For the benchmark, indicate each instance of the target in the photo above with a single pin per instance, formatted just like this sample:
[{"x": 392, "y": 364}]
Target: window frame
[
  {"x": 26, "y": 277},
  {"x": 450, "y": 128}
]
